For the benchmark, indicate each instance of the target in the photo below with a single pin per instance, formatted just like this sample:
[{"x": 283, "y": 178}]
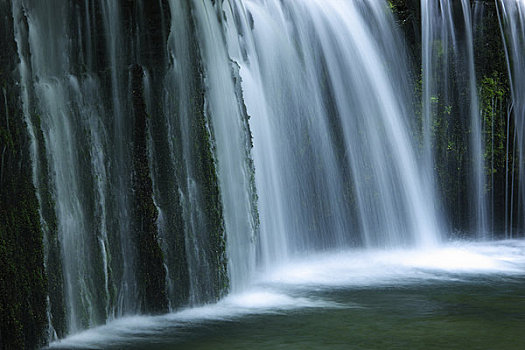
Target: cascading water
[
  {"x": 320, "y": 97},
  {"x": 476, "y": 138},
  {"x": 450, "y": 90},
  {"x": 318, "y": 85},
  {"x": 512, "y": 20},
  {"x": 182, "y": 146},
  {"x": 227, "y": 113},
  {"x": 89, "y": 94},
  {"x": 57, "y": 100},
  {"x": 117, "y": 135}
]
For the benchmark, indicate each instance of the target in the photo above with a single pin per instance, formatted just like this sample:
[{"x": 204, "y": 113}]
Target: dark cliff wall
[
  {"x": 23, "y": 282},
  {"x": 133, "y": 88}
]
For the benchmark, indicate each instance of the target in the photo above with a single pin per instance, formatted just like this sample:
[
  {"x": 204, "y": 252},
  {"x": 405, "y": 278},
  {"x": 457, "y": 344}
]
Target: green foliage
[
  {"x": 450, "y": 126},
  {"x": 407, "y": 14},
  {"x": 403, "y": 9},
  {"x": 493, "y": 97}
]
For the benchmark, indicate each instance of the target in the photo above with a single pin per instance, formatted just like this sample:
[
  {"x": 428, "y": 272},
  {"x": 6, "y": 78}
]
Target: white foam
[
  {"x": 127, "y": 329},
  {"x": 373, "y": 267},
  {"x": 283, "y": 288}
]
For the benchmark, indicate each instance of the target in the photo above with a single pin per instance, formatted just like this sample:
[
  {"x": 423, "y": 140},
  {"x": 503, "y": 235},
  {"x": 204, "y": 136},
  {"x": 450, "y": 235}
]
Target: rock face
[
  {"x": 109, "y": 185},
  {"x": 126, "y": 168},
  {"x": 23, "y": 282}
]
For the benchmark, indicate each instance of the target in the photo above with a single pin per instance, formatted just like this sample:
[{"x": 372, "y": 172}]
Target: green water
[
  {"x": 484, "y": 313},
  {"x": 466, "y": 297}
]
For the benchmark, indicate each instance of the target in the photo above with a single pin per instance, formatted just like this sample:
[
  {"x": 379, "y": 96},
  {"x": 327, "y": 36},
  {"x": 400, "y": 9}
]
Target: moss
[
  {"x": 408, "y": 17},
  {"x": 494, "y": 99},
  {"x": 208, "y": 180},
  {"x": 150, "y": 261},
  {"x": 168, "y": 177},
  {"x": 50, "y": 229},
  {"x": 23, "y": 282},
  {"x": 152, "y": 19},
  {"x": 451, "y": 123},
  {"x": 493, "y": 96},
  {"x": 206, "y": 177}
]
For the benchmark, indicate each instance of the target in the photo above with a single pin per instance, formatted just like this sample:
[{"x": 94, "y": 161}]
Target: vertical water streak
[
  {"x": 272, "y": 241},
  {"x": 178, "y": 98},
  {"x": 120, "y": 132},
  {"x": 225, "y": 110},
  {"x": 428, "y": 29},
  {"x": 318, "y": 88},
  {"x": 451, "y": 113},
  {"x": 476, "y": 136},
  {"x": 324, "y": 86},
  {"x": 489, "y": 111},
  {"x": 512, "y": 20},
  {"x": 50, "y": 84},
  {"x": 86, "y": 139},
  {"x": 191, "y": 190},
  {"x": 362, "y": 33},
  {"x": 21, "y": 33}
]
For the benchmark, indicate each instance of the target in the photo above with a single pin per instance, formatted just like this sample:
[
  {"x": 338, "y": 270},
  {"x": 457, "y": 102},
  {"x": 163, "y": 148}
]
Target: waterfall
[
  {"x": 476, "y": 137},
  {"x": 318, "y": 80},
  {"x": 92, "y": 80},
  {"x": 187, "y": 152},
  {"x": 512, "y": 19},
  {"x": 451, "y": 102},
  {"x": 67, "y": 111},
  {"x": 179, "y": 147},
  {"x": 227, "y": 114}
]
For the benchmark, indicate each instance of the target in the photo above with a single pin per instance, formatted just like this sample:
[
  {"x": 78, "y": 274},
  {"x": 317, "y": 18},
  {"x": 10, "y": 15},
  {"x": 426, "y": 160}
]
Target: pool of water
[{"x": 460, "y": 296}]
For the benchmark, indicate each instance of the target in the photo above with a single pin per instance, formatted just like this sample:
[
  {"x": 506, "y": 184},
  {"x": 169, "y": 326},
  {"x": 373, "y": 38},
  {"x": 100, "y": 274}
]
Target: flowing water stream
[
  {"x": 512, "y": 20},
  {"x": 287, "y": 164}
]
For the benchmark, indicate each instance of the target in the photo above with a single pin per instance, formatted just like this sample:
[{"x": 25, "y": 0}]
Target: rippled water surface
[{"x": 461, "y": 296}]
